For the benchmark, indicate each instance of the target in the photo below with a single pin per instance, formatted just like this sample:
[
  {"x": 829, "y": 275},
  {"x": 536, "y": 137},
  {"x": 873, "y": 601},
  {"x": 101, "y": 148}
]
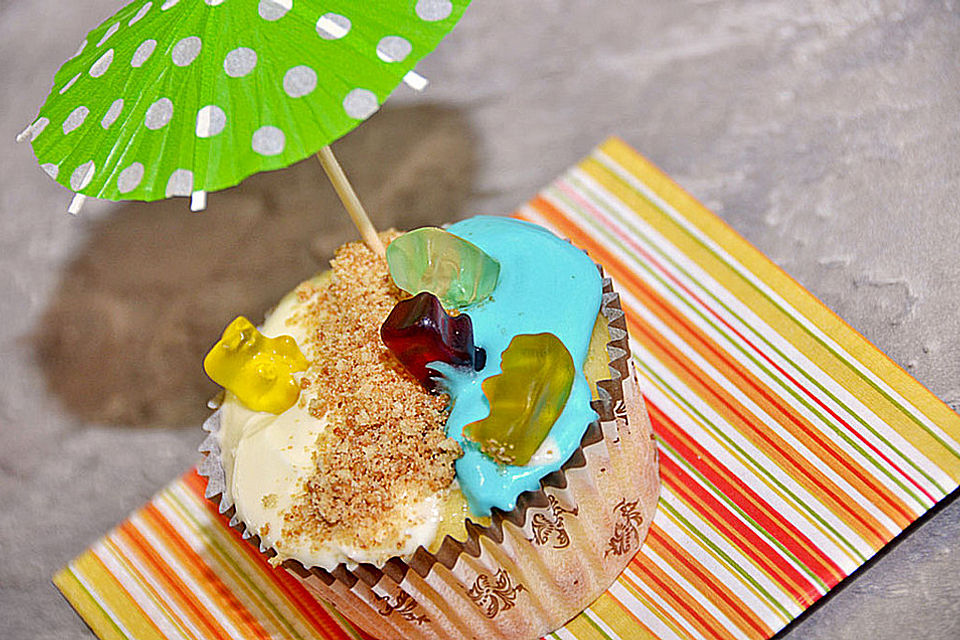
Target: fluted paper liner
[{"x": 533, "y": 568}]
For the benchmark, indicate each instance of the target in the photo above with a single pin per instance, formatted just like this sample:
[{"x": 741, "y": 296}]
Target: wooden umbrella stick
[{"x": 350, "y": 200}]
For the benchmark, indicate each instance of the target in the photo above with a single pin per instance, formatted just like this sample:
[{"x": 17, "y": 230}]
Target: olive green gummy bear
[
  {"x": 525, "y": 399},
  {"x": 458, "y": 272}
]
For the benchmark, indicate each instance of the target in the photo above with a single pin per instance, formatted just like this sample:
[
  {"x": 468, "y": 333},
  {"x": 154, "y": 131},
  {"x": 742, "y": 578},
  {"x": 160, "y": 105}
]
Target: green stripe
[
  {"x": 345, "y": 624},
  {"x": 165, "y": 609},
  {"x": 832, "y": 425},
  {"x": 588, "y": 615},
  {"x": 599, "y": 158},
  {"x": 612, "y": 240},
  {"x": 750, "y": 462},
  {"x": 96, "y": 602},
  {"x": 725, "y": 559},
  {"x": 744, "y": 516},
  {"x": 651, "y": 606},
  {"x": 228, "y": 559}
]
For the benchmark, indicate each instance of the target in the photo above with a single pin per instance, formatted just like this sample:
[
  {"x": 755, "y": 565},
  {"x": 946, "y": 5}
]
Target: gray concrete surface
[{"x": 826, "y": 132}]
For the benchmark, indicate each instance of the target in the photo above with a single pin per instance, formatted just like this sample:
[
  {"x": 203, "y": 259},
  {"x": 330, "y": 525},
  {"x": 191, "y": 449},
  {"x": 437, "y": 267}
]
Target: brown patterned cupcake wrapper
[{"x": 531, "y": 569}]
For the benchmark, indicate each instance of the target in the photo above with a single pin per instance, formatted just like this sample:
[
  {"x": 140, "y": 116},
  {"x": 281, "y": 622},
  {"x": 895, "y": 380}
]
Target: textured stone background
[{"x": 826, "y": 132}]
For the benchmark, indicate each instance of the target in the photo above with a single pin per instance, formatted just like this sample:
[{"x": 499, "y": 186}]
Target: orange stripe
[
  {"x": 772, "y": 445},
  {"x": 117, "y": 586},
  {"x": 283, "y": 580},
  {"x": 173, "y": 585},
  {"x": 707, "y": 584},
  {"x": 619, "y": 617},
  {"x": 769, "y": 401},
  {"x": 760, "y": 553},
  {"x": 814, "y": 311},
  {"x": 234, "y": 608},
  {"x": 735, "y": 489},
  {"x": 727, "y": 406},
  {"x": 681, "y": 601},
  {"x": 627, "y": 582},
  {"x": 827, "y": 451}
]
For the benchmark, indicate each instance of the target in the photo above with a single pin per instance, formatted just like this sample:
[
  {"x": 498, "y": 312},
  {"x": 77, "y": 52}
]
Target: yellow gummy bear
[{"x": 257, "y": 369}]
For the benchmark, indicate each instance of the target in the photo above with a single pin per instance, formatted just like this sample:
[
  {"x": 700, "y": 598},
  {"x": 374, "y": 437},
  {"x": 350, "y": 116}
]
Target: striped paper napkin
[{"x": 791, "y": 449}]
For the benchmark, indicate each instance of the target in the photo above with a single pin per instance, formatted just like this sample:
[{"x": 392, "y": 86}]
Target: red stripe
[
  {"x": 737, "y": 533},
  {"x": 174, "y": 585},
  {"x": 234, "y": 609},
  {"x": 308, "y": 605},
  {"x": 681, "y": 560},
  {"x": 669, "y": 590},
  {"x": 736, "y": 490},
  {"x": 614, "y": 226},
  {"x": 759, "y": 431}
]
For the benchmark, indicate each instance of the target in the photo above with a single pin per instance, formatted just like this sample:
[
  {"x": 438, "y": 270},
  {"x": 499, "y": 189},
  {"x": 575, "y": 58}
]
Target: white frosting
[{"x": 267, "y": 458}]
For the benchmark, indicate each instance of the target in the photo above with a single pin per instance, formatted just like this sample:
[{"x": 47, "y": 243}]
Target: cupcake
[{"x": 448, "y": 443}]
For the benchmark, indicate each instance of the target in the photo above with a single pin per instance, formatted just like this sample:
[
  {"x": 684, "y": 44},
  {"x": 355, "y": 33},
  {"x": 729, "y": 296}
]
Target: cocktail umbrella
[{"x": 181, "y": 97}]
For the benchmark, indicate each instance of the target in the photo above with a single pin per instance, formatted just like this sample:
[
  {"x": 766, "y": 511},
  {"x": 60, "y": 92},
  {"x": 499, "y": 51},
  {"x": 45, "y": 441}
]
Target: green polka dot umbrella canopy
[{"x": 172, "y": 97}]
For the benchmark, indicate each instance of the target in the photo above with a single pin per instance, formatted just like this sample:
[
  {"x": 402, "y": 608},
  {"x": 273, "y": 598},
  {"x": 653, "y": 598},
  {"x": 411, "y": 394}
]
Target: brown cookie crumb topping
[{"x": 385, "y": 442}]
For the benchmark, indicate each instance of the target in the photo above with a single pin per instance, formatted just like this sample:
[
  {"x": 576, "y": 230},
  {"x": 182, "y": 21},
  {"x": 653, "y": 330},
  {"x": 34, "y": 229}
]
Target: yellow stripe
[
  {"x": 664, "y": 612},
  {"x": 86, "y": 606},
  {"x": 583, "y": 629},
  {"x": 611, "y": 611},
  {"x": 287, "y": 614},
  {"x": 731, "y": 566},
  {"x": 779, "y": 281},
  {"x": 123, "y": 607}
]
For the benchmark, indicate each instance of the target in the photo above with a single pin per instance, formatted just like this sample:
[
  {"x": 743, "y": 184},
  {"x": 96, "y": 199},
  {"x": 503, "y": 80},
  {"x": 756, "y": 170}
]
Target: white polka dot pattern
[
  {"x": 143, "y": 53},
  {"x": 106, "y": 36},
  {"x": 180, "y": 183},
  {"x": 139, "y": 15},
  {"x": 240, "y": 62},
  {"x": 268, "y": 141},
  {"x": 83, "y": 45},
  {"x": 360, "y": 104},
  {"x": 273, "y": 10},
  {"x": 159, "y": 114},
  {"x": 112, "y": 113},
  {"x": 211, "y": 121},
  {"x": 433, "y": 10},
  {"x": 299, "y": 81},
  {"x": 75, "y": 119},
  {"x": 69, "y": 84},
  {"x": 130, "y": 178},
  {"x": 218, "y": 89},
  {"x": 102, "y": 64},
  {"x": 186, "y": 51},
  {"x": 333, "y": 26},
  {"x": 82, "y": 175},
  {"x": 393, "y": 49}
]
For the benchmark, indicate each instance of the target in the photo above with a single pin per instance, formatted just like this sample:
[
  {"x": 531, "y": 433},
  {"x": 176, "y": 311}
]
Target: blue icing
[{"x": 545, "y": 285}]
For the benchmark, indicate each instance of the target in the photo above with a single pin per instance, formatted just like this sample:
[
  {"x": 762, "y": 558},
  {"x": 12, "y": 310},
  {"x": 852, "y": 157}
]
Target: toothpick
[{"x": 350, "y": 200}]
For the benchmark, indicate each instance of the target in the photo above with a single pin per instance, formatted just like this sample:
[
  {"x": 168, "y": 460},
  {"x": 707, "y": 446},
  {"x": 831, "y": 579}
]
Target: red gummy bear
[{"x": 419, "y": 331}]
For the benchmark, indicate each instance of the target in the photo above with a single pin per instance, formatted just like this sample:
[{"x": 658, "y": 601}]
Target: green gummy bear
[
  {"x": 525, "y": 399},
  {"x": 458, "y": 272}
]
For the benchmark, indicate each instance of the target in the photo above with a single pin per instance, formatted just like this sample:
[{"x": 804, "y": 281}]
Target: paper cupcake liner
[{"x": 533, "y": 568}]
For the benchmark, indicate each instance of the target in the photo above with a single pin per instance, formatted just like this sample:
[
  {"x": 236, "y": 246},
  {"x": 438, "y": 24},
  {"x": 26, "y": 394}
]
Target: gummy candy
[
  {"x": 257, "y": 369},
  {"x": 430, "y": 259},
  {"x": 525, "y": 399},
  {"x": 418, "y": 331}
]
